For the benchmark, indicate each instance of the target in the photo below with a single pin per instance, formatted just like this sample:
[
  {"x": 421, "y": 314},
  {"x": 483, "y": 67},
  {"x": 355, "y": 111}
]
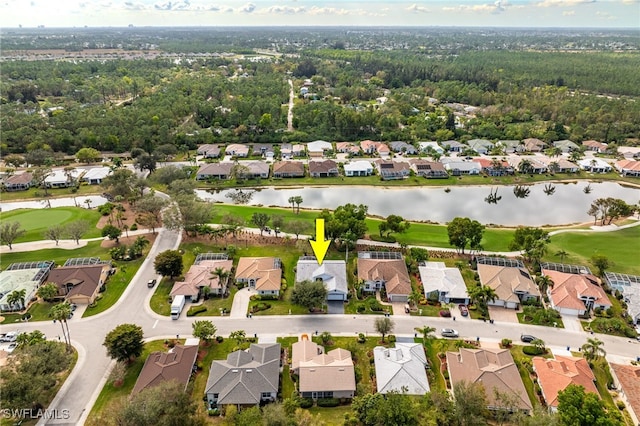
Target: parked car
[
  {"x": 151, "y": 283},
  {"x": 449, "y": 332},
  {"x": 74, "y": 307},
  {"x": 10, "y": 336},
  {"x": 463, "y": 310},
  {"x": 11, "y": 347},
  {"x": 527, "y": 338}
]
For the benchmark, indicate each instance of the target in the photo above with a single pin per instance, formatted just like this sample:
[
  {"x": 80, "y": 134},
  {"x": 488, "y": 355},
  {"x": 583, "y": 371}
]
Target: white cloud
[
  {"x": 568, "y": 13},
  {"x": 129, "y": 5},
  {"x": 418, "y": 9},
  {"x": 605, "y": 15},
  {"x": 247, "y": 8},
  {"x": 286, "y": 10},
  {"x": 563, "y": 3},
  {"x": 315, "y": 10},
  {"x": 497, "y": 7}
]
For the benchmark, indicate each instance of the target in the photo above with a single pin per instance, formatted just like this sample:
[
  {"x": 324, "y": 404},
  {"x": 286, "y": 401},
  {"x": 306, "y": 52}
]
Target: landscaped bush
[
  {"x": 219, "y": 339},
  {"x": 269, "y": 297},
  {"x": 195, "y": 310},
  {"x": 391, "y": 338},
  {"x": 375, "y": 306},
  {"x": 306, "y": 403},
  {"x": 361, "y": 308},
  {"x": 261, "y": 307},
  {"x": 532, "y": 350},
  {"x": 361, "y": 338},
  {"x": 506, "y": 343},
  {"x": 328, "y": 402},
  {"x": 134, "y": 227}
]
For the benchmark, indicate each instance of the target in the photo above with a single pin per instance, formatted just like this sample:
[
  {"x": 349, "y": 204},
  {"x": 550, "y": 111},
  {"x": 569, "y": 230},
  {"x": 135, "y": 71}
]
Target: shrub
[
  {"x": 328, "y": 402},
  {"x": 361, "y": 308},
  {"x": 214, "y": 412},
  {"x": 195, "y": 310},
  {"x": 532, "y": 350},
  {"x": 361, "y": 338},
  {"x": 506, "y": 343},
  {"x": 306, "y": 403},
  {"x": 374, "y": 305},
  {"x": 391, "y": 338},
  {"x": 219, "y": 339},
  {"x": 620, "y": 405},
  {"x": 134, "y": 227}
]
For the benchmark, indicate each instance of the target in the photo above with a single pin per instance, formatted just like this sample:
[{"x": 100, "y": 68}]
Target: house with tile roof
[
  {"x": 481, "y": 146},
  {"x": 428, "y": 169},
  {"x": 513, "y": 285},
  {"x": 318, "y": 148},
  {"x": 288, "y": 169},
  {"x": 575, "y": 294},
  {"x": 332, "y": 273},
  {"x": 535, "y": 166},
  {"x": 358, "y": 168},
  {"x": 81, "y": 283},
  {"x": 246, "y": 378},
  {"x": 62, "y": 179},
  {"x": 595, "y": 146},
  {"x": 554, "y": 375},
  {"x": 348, "y": 148},
  {"x": 262, "y": 273},
  {"x": 263, "y": 149},
  {"x": 237, "y": 150},
  {"x": 323, "y": 168},
  {"x": 220, "y": 171},
  {"x": 209, "y": 150},
  {"x": 255, "y": 169},
  {"x": 178, "y": 365},
  {"x": 442, "y": 283},
  {"x": 495, "y": 369},
  {"x": 627, "y": 381},
  {"x": 393, "y": 170},
  {"x": 462, "y": 167},
  {"x": 18, "y": 182},
  {"x": 403, "y": 147},
  {"x": 401, "y": 369},
  {"x": 95, "y": 175},
  {"x": 566, "y": 145},
  {"x": 495, "y": 166},
  {"x": 453, "y": 146},
  {"x": 534, "y": 145},
  {"x": 201, "y": 275},
  {"x": 322, "y": 375},
  {"x": 431, "y": 146},
  {"x": 594, "y": 165},
  {"x": 628, "y": 167},
  {"x": 561, "y": 165},
  {"x": 371, "y": 147},
  {"x": 378, "y": 270},
  {"x": 288, "y": 150},
  {"x": 511, "y": 146}
]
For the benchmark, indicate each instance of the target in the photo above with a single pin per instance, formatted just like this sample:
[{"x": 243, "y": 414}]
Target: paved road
[{"x": 85, "y": 382}]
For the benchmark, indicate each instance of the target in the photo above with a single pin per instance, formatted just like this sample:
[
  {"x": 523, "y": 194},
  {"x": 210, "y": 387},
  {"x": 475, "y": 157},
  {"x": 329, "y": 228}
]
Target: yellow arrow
[{"x": 320, "y": 246}]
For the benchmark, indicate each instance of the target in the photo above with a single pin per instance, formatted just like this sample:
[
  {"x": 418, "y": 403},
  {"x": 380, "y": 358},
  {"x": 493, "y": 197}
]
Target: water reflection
[{"x": 569, "y": 203}]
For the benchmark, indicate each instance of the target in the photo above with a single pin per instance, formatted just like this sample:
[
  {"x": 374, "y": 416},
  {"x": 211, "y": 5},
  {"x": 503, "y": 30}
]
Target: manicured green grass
[
  {"x": 39, "y": 312},
  {"x": 160, "y": 301},
  {"x": 215, "y": 304},
  {"x": 352, "y": 307},
  {"x": 330, "y": 416},
  {"x": 427, "y": 311},
  {"x": 603, "y": 377},
  {"x": 522, "y": 361},
  {"x": 115, "y": 286},
  {"x": 621, "y": 247},
  {"x": 288, "y": 386},
  {"x": 522, "y": 319},
  {"x": 37, "y": 193},
  {"x": 59, "y": 256}
]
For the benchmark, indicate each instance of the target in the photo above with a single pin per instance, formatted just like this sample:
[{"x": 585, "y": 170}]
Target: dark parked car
[
  {"x": 463, "y": 310},
  {"x": 151, "y": 283},
  {"x": 527, "y": 338}
]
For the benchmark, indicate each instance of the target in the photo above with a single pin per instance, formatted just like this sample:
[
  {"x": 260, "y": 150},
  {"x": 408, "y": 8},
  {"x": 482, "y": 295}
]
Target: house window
[
  {"x": 266, "y": 395},
  {"x": 215, "y": 396},
  {"x": 328, "y": 394}
]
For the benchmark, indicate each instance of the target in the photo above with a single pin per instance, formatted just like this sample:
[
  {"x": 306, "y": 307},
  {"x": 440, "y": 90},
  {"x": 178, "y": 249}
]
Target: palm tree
[
  {"x": 554, "y": 167},
  {"x": 562, "y": 255},
  {"x": 61, "y": 312},
  {"x": 539, "y": 345},
  {"x": 222, "y": 275},
  {"x": 88, "y": 202},
  {"x": 576, "y": 155},
  {"x": 427, "y": 333},
  {"x": 593, "y": 349},
  {"x": 525, "y": 166},
  {"x": 16, "y": 299},
  {"x": 545, "y": 282},
  {"x": 292, "y": 201},
  {"x": 298, "y": 200}
]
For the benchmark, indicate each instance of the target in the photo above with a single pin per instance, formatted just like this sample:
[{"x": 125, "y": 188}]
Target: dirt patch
[
  {"x": 126, "y": 217},
  {"x": 128, "y": 240}
]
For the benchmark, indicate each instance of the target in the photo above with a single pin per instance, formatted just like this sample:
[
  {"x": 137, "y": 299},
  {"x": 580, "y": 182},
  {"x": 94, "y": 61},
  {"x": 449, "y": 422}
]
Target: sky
[{"x": 462, "y": 13}]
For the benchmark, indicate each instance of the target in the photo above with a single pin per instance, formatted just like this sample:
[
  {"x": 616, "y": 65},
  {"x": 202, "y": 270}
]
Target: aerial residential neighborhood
[{"x": 320, "y": 225}]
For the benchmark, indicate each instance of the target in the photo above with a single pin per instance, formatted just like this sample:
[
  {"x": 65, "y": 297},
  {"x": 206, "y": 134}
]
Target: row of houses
[
  {"x": 57, "y": 178},
  {"x": 79, "y": 280}
]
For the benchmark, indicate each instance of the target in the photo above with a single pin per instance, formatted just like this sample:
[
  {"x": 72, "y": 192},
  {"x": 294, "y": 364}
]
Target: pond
[
  {"x": 96, "y": 200},
  {"x": 567, "y": 204}
]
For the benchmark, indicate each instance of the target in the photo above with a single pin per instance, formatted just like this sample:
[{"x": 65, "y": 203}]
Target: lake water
[
  {"x": 568, "y": 204},
  {"x": 96, "y": 200}
]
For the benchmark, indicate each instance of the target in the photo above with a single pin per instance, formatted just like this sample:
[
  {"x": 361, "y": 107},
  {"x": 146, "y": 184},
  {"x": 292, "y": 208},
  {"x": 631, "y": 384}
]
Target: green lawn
[
  {"x": 36, "y": 221},
  {"x": 523, "y": 319},
  {"x": 115, "y": 286},
  {"x": 621, "y": 247},
  {"x": 330, "y": 416},
  {"x": 38, "y": 193},
  {"x": 215, "y": 304},
  {"x": 160, "y": 301},
  {"x": 351, "y": 307},
  {"x": 522, "y": 361}
]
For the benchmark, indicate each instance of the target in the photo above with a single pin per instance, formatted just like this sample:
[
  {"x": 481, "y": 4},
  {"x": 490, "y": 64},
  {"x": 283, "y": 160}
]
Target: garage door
[{"x": 335, "y": 296}]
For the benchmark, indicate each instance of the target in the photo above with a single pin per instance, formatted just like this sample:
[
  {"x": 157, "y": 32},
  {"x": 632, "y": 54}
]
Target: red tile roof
[{"x": 554, "y": 375}]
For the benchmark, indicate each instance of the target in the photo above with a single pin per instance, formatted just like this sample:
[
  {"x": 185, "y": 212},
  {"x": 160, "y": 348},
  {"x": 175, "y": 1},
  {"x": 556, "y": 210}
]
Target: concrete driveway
[
  {"x": 500, "y": 314},
  {"x": 241, "y": 301},
  {"x": 335, "y": 307}
]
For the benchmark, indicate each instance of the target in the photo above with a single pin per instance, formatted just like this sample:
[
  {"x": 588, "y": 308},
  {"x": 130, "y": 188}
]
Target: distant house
[
  {"x": 246, "y": 378},
  {"x": 201, "y": 275},
  {"x": 453, "y": 146},
  {"x": 318, "y": 148},
  {"x": 495, "y": 167},
  {"x": 458, "y": 168},
  {"x": 595, "y": 146},
  {"x": 288, "y": 169},
  {"x": 627, "y": 381},
  {"x": 575, "y": 294},
  {"x": 534, "y": 145},
  {"x": 237, "y": 150},
  {"x": 401, "y": 369},
  {"x": 262, "y": 273},
  {"x": 81, "y": 283},
  {"x": 348, "y": 148},
  {"x": 330, "y": 375},
  {"x": 494, "y": 369},
  {"x": 513, "y": 285},
  {"x": 628, "y": 167},
  {"x": 358, "y": 168},
  {"x": 566, "y": 145},
  {"x": 481, "y": 146},
  {"x": 371, "y": 147},
  {"x": 332, "y": 273},
  {"x": 220, "y": 171},
  {"x": 263, "y": 149},
  {"x": 326, "y": 168},
  {"x": 377, "y": 270},
  {"x": 594, "y": 165},
  {"x": 254, "y": 169},
  {"x": 27, "y": 276},
  {"x": 288, "y": 150},
  {"x": 442, "y": 283},
  {"x": 511, "y": 146},
  {"x": 629, "y": 286},
  {"x": 554, "y": 375},
  {"x": 62, "y": 179},
  {"x": 209, "y": 150},
  {"x": 176, "y": 365},
  {"x": 535, "y": 166},
  {"x": 432, "y": 146},
  {"x": 94, "y": 176},
  {"x": 18, "y": 182},
  {"x": 393, "y": 170},
  {"x": 560, "y": 165},
  {"x": 429, "y": 169},
  {"x": 403, "y": 147}
]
